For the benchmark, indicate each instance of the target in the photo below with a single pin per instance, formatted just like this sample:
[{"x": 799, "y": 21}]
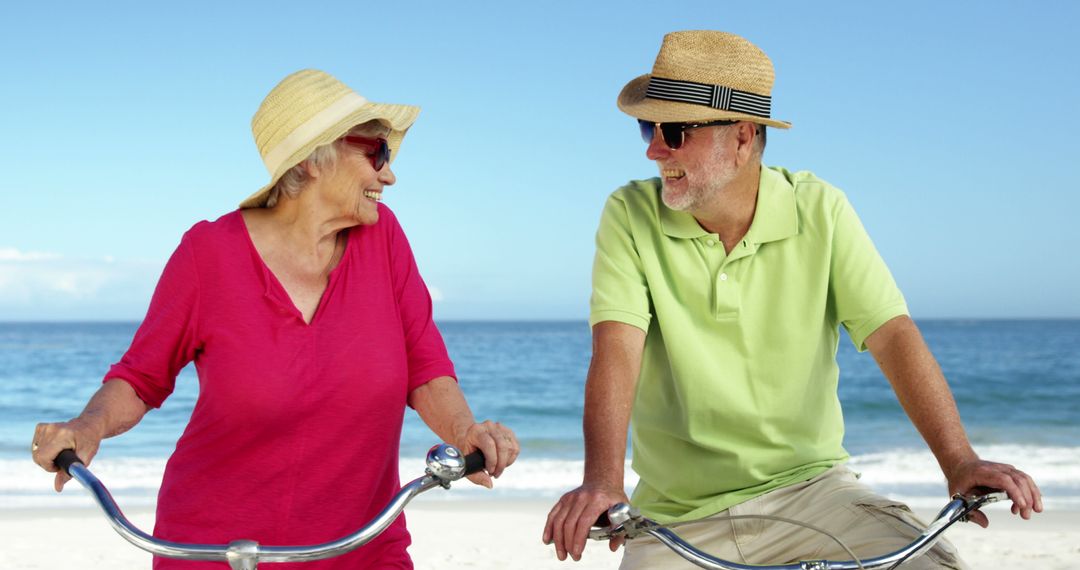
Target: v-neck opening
[{"x": 281, "y": 294}]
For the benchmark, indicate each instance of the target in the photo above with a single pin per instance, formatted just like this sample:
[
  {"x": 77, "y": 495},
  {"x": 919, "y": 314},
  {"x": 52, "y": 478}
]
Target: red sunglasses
[{"x": 376, "y": 149}]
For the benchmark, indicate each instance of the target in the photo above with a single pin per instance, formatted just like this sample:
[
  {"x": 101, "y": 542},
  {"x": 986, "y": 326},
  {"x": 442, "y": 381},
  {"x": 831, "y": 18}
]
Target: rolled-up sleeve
[
  {"x": 166, "y": 341},
  {"x": 427, "y": 355}
]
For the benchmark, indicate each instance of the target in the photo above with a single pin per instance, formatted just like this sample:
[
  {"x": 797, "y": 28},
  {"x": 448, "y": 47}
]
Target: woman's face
[{"x": 354, "y": 186}]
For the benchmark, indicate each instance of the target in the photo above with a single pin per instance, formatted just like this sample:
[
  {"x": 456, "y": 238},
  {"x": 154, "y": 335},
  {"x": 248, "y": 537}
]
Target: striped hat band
[{"x": 713, "y": 96}]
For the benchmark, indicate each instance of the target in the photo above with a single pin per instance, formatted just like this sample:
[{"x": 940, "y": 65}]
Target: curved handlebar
[
  {"x": 445, "y": 465},
  {"x": 623, "y": 520}
]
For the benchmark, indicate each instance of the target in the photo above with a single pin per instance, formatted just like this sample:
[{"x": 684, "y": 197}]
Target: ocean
[{"x": 1017, "y": 383}]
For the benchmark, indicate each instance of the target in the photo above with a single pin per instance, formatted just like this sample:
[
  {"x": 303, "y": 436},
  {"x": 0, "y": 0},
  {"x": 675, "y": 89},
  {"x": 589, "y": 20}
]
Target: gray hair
[{"x": 324, "y": 157}]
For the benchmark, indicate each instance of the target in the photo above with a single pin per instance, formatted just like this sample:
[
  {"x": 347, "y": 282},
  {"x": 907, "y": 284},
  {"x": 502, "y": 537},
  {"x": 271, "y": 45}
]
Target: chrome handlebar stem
[{"x": 445, "y": 464}]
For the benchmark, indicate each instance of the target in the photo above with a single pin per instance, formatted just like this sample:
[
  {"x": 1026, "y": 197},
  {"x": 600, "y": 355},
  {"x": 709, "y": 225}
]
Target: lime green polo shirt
[{"x": 737, "y": 394}]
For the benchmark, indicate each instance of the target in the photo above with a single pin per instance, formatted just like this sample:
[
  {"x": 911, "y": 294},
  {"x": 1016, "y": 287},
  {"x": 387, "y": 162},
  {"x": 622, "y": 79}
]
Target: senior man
[{"x": 718, "y": 293}]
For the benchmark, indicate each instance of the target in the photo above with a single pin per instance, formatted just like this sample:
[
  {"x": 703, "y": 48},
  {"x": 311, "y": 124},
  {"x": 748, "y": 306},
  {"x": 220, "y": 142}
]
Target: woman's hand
[
  {"x": 113, "y": 409},
  {"x": 442, "y": 406},
  {"x": 81, "y": 434},
  {"x": 498, "y": 444}
]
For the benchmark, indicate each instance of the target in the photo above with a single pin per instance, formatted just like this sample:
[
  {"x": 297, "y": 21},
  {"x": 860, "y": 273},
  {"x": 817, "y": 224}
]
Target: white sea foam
[{"x": 911, "y": 475}]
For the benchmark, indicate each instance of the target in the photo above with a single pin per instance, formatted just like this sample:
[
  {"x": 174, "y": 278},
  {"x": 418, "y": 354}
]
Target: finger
[
  {"x": 558, "y": 527},
  {"x": 585, "y": 522},
  {"x": 1021, "y": 480},
  {"x": 1033, "y": 491},
  {"x": 50, "y": 441},
  {"x": 1006, "y": 483},
  {"x": 60, "y": 480},
  {"x": 572, "y": 528},
  {"x": 578, "y": 523},
  {"x": 486, "y": 443},
  {"x": 568, "y": 533},
  {"x": 1024, "y": 488},
  {"x": 549, "y": 524},
  {"x": 1020, "y": 483},
  {"x": 507, "y": 451},
  {"x": 979, "y": 518},
  {"x": 1037, "y": 493},
  {"x": 480, "y": 478},
  {"x": 35, "y": 447},
  {"x": 616, "y": 542}
]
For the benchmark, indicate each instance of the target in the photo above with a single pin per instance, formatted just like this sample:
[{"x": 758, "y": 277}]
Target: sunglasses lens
[
  {"x": 673, "y": 134},
  {"x": 382, "y": 155},
  {"x": 647, "y": 130},
  {"x": 377, "y": 149}
]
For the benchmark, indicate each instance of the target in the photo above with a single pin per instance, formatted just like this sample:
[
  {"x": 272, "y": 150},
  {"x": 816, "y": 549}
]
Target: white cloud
[
  {"x": 12, "y": 254},
  {"x": 436, "y": 294},
  {"x": 48, "y": 285}
]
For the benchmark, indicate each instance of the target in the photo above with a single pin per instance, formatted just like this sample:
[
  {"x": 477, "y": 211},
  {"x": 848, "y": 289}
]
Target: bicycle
[
  {"x": 445, "y": 464},
  {"x": 626, "y": 521}
]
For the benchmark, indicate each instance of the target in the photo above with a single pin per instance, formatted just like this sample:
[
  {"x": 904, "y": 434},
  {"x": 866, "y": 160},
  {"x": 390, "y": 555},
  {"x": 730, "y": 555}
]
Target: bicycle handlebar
[
  {"x": 445, "y": 465},
  {"x": 623, "y": 520}
]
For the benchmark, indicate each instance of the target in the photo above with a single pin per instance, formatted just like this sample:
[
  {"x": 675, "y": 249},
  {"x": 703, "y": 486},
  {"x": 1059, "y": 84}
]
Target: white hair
[{"x": 324, "y": 157}]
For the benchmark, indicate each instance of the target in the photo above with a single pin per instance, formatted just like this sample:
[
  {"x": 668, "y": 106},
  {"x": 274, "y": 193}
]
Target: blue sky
[{"x": 951, "y": 127}]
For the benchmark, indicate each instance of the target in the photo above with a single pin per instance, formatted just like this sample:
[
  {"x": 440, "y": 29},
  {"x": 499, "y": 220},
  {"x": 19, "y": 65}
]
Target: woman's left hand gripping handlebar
[
  {"x": 498, "y": 444},
  {"x": 80, "y": 434}
]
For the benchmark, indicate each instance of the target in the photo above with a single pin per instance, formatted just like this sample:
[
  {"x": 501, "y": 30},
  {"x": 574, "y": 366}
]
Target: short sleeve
[
  {"x": 864, "y": 293},
  {"x": 620, "y": 290},
  {"x": 427, "y": 356},
  {"x": 166, "y": 341}
]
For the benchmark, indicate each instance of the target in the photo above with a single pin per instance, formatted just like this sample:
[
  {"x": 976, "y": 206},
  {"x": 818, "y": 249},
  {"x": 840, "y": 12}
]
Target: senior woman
[{"x": 310, "y": 329}]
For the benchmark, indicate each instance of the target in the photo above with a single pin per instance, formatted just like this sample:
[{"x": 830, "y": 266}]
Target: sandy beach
[{"x": 495, "y": 534}]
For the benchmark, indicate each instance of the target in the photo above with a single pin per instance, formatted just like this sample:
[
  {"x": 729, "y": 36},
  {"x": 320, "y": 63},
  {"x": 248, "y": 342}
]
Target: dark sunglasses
[
  {"x": 673, "y": 132},
  {"x": 377, "y": 149}
]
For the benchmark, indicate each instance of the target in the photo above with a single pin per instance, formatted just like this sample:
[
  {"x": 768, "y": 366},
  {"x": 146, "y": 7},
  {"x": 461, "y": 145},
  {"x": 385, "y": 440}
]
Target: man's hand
[
  {"x": 967, "y": 476},
  {"x": 570, "y": 519}
]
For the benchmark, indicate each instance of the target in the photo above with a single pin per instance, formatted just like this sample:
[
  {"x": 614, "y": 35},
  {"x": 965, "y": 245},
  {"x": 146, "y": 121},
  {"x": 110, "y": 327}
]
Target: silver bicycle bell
[{"x": 445, "y": 462}]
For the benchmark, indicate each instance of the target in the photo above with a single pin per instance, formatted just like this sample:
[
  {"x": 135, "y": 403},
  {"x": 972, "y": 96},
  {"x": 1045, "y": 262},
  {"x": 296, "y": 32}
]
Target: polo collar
[{"x": 775, "y": 216}]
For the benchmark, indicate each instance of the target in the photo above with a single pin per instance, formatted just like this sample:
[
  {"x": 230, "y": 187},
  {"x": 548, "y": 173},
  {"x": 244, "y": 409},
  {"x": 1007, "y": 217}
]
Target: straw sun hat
[
  {"x": 704, "y": 76},
  {"x": 311, "y": 108}
]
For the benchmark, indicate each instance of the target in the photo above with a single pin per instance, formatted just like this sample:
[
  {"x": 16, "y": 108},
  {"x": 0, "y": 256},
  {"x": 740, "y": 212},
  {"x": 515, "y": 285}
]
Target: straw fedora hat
[
  {"x": 704, "y": 76},
  {"x": 311, "y": 108}
]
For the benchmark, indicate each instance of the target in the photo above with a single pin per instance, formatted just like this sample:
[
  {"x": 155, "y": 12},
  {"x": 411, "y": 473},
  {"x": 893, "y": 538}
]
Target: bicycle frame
[
  {"x": 628, "y": 522},
  {"x": 445, "y": 464}
]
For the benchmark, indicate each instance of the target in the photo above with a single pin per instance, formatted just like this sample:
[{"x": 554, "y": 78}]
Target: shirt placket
[{"x": 726, "y": 283}]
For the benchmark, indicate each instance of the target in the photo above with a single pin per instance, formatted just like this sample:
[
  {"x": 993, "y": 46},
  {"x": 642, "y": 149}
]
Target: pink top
[{"x": 294, "y": 438}]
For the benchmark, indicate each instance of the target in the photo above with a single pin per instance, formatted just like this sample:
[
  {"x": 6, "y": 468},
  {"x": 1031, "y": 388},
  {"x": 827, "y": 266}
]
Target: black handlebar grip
[
  {"x": 474, "y": 462},
  {"x": 66, "y": 459},
  {"x": 602, "y": 520}
]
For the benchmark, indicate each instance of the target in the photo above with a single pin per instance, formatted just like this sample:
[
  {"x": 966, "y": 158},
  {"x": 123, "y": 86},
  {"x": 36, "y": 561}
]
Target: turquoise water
[{"x": 1017, "y": 384}]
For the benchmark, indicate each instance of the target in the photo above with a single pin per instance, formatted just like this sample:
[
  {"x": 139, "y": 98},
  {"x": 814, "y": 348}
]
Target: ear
[
  {"x": 311, "y": 169},
  {"x": 745, "y": 137}
]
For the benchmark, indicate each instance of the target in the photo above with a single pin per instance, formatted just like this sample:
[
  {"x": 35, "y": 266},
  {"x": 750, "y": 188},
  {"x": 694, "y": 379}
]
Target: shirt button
[
  {"x": 710, "y": 242},
  {"x": 723, "y": 276}
]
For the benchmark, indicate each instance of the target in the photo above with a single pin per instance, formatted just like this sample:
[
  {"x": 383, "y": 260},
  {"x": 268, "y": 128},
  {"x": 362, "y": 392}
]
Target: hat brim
[
  {"x": 398, "y": 118},
  {"x": 633, "y": 102}
]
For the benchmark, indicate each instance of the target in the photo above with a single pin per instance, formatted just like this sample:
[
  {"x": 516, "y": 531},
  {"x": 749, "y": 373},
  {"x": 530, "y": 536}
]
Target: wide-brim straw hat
[
  {"x": 311, "y": 108},
  {"x": 702, "y": 76}
]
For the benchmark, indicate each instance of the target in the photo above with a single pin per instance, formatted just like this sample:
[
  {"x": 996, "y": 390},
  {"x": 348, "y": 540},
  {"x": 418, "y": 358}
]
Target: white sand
[{"x": 493, "y": 534}]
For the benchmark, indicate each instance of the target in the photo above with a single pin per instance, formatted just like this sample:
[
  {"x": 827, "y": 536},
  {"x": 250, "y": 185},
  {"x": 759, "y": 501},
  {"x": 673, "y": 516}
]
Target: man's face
[{"x": 695, "y": 175}]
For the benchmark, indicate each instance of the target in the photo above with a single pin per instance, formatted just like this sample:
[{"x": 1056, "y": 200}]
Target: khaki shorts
[{"x": 869, "y": 524}]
